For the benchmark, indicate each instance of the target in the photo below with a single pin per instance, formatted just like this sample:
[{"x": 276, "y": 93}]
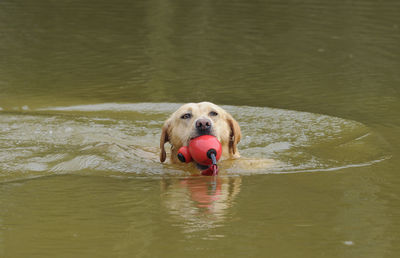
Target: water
[
  {"x": 123, "y": 139},
  {"x": 85, "y": 88}
]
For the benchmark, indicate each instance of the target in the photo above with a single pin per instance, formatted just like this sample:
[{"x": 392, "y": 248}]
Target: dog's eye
[
  {"x": 213, "y": 113},
  {"x": 186, "y": 116}
]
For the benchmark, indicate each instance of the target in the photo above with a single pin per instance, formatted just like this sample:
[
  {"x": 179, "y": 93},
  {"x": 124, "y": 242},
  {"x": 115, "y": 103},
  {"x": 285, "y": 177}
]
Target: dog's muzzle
[{"x": 203, "y": 126}]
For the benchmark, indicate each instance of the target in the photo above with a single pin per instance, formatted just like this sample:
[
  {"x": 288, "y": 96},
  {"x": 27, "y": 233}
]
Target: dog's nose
[{"x": 203, "y": 124}]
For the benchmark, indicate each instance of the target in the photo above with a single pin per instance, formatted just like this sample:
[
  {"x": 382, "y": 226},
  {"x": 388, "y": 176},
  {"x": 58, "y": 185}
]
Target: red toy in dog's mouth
[{"x": 205, "y": 150}]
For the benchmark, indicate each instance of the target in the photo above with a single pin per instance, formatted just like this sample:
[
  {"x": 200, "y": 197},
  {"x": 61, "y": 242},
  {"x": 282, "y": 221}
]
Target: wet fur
[{"x": 178, "y": 131}]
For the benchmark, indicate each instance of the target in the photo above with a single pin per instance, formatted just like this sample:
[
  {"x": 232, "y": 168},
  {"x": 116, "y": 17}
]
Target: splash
[{"x": 122, "y": 139}]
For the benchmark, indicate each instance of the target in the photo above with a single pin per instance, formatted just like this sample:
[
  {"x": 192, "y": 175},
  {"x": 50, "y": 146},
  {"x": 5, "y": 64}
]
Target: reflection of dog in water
[{"x": 201, "y": 201}]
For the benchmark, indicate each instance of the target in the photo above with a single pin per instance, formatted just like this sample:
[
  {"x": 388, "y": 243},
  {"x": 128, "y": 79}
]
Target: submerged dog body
[{"x": 195, "y": 119}]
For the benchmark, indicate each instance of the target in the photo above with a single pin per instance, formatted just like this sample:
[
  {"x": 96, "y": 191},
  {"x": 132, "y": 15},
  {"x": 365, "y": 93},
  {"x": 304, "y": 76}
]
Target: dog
[{"x": 195, "y": 119}]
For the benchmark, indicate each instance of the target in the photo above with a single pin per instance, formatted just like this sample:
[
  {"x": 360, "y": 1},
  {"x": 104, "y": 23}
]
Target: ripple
[{"x": 122, "y": 139}]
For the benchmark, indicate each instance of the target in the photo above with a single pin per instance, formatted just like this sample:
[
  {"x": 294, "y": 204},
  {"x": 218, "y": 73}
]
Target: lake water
[{"x": 85, "y": 87}]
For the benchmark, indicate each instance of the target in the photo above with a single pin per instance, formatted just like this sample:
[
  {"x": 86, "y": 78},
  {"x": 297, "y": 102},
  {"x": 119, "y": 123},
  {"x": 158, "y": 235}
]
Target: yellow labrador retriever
[{"x": 194, "y": 119}]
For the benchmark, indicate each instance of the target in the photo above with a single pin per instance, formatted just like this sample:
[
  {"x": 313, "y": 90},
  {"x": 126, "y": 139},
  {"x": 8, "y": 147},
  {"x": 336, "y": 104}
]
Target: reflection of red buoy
[{"x": 205, "y": 150}]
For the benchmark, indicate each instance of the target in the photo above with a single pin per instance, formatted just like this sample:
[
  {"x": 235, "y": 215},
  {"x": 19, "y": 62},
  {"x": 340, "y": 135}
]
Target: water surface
[{"x": 85, "y": 87}]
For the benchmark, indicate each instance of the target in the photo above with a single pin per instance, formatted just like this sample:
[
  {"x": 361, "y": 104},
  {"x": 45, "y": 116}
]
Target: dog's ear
[
  {"x": 235, "y": 135},
  {"x": 163, "y": 139}
]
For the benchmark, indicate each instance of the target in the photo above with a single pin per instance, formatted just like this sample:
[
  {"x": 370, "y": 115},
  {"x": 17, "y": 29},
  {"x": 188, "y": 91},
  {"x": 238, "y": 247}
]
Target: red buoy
[{"x": 201, "y": 149}]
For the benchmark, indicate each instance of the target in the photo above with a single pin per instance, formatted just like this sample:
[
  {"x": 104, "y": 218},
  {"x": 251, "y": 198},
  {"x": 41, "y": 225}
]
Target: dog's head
[{"x": 194, "y": 119}]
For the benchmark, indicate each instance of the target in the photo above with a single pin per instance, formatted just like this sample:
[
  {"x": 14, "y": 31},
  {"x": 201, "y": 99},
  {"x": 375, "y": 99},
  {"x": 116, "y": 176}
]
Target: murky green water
[{"x": 86, "y": 85}]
